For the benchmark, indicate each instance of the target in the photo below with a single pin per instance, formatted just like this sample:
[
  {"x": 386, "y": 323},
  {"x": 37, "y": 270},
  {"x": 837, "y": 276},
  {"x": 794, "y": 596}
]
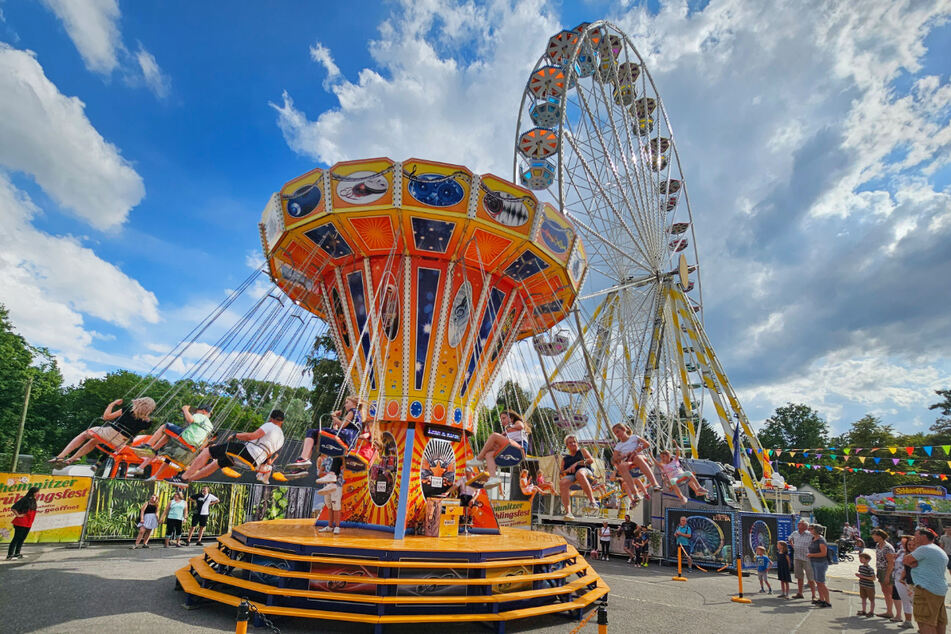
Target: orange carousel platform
[{"x": 287, "y": 568}]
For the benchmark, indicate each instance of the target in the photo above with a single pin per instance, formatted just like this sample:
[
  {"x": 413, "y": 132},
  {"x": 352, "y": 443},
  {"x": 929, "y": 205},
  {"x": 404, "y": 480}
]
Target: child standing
[
  {"x": 784, "y": 565},
  {"x": 866, "y": 584},
  {"x": 605, "y": 534},
  {"x": 763, "y": 564}
]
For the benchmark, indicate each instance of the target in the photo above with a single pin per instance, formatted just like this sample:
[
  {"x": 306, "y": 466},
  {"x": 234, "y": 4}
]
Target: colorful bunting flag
[
  {"x": 910, "y": 450},
  {"x": 910, "y": 462},
  {"x": 895, "y": 461},
  {"x": 927, "y": 449},
  {"x": 893, "y": 449},
  {"x": 947, "y": 449}
]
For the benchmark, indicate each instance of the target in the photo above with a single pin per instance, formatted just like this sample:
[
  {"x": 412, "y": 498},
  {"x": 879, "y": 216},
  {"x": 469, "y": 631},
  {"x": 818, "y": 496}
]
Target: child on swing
[
  {"x": 516, "y": 433},
  {"x": 349, "y": 426},
  {"x": 670, "y": 466},
  {"x": 530, "y": 489}
]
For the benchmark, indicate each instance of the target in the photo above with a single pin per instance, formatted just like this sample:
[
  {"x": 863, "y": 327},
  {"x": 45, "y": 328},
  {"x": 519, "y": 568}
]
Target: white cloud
[
  {"x": 157, "y": 81},
  {"x": 47, "y": 135},
  {"x": 91, "y": 25},
  {"x": 321, "y": 54},
  {"x": 424, "y": 98},
  {"x": 49, "y": 282}
]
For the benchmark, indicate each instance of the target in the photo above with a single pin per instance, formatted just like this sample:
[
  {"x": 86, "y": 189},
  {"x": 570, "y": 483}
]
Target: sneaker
[
  {"x": 825, "y": 604},
  {"x": 475, "y": 463},
  {"x": 907, "y": 625},
  {"x": 196, "y": 543},
  {"x": 299, "y": 464},
  {"x": 336, "y": 530},
  {"x": 494, "y": 481},
  {"x": 798, "y": 596},
  {"x": 328, "y": 488},
  {"x": 325, "y": 529},
  {"x": 860, "y": 613},
  {"x": 145, "y": 545},
  {"x": 761, "y": 591},
  {"x": 568, "y": 516},
  {"x": 630, "y": 560},
  {"x": 18, "y": 556},
  {"x": 177, "y": 481},
  {"x": 327, "y": 478},
  {"x": 644, "y": 564}
]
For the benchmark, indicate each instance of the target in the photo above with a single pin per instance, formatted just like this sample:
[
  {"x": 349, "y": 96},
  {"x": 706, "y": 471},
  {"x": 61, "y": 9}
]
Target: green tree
[
  {"x": 794, "y": 425},
  {"x": 18, "y": 362},
  {"x": 326, "y": 376},
  {"x": 942, "y": 426}
]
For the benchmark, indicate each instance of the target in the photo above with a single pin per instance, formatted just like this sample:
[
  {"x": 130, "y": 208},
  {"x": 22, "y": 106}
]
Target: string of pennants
[
  {"x": 776, "y": 453},
  {"x": 801, "y": 465},
  {"x": 928, "y": 450}
]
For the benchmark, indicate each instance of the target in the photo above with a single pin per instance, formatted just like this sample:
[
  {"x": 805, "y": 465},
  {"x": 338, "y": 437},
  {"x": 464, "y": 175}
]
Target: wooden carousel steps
[
  {"x": 207, "y": 573},
  {"x": 191, "y": 586},
  {"x": 234, "y": 545},
  {"x": 219, "y": 557}
]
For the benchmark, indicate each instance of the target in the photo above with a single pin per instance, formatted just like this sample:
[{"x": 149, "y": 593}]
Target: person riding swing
[
  {"x": 509, "y": 449},
  {"x": 253, "y": 450}
]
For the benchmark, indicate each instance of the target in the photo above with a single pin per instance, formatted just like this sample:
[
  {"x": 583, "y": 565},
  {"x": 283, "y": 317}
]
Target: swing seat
[
  {"x": 509, "y": 456},
  {"x": 231, "y": 473},
  {"x": 240, "y": 463},
  {"x": 177, "y": 451},
  {"x": 330, "y": 444},
  {"x": 360, "y": 458}
]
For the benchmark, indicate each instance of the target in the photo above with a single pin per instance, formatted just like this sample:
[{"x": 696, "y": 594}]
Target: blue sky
[{"x": 140, "y": 141}]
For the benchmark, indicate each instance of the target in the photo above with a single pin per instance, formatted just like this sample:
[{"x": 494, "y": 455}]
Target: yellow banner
[
  {"x": 60, "y": 505},
  {"x": 513, "y": 513}
]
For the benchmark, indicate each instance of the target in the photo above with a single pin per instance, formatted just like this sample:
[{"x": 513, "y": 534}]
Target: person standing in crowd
[
  {"x": 866, "y": 585},
  {"x": 173, "y": 517},
  {"x": 763, "y": 564},
  {"x": 24, "y": 512},
  {"x": 203, "y": 503},
  {"x": 929, "y": 563},
  {"x": 945, "y": 542},
  {"x": 783, "y": 568},
  {"x": 148, "y": 522},
  {"x": 605, "y": 538},
  {"x": 884, "y": 566},
  {"x": 642, "y": 545},
  {"x": 800, "y": 540},
  {"x": 819, "y": 557},
  {"x": 903, "y": 589},
  {"x": 627, "y": 529},
  {"x": 682, "y": 534}
]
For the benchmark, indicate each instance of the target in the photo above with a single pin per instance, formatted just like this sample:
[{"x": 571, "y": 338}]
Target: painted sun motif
[{"x": 375, "y": 231}]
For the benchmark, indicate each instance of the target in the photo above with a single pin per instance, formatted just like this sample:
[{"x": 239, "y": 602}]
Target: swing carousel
[{"x": 425, "y": 275}]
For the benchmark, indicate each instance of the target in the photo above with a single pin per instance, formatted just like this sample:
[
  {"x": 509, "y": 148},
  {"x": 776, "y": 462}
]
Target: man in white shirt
[
  {"x": 203, "y": 503},
  {"x": 254, "y": 447},
  {"x": 800, "y": 540}
]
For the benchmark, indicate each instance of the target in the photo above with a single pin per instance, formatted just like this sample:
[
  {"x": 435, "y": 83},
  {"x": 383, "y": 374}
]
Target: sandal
[
  {"x": 860, "y": 613},
  {"x": 885, "y": 615}
]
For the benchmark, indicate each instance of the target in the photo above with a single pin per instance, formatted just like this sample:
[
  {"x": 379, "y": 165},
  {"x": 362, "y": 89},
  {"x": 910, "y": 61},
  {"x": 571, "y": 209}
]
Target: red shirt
[{"x": 26, "y": 520}]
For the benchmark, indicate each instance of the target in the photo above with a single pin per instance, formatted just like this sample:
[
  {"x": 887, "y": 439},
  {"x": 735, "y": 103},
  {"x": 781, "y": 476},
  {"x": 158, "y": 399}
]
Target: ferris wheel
[{"x": 594, "y": 136}]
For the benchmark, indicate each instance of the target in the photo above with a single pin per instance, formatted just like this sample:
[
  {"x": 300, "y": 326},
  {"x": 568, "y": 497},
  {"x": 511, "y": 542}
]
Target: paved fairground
[{"x": 109, "y": 588}]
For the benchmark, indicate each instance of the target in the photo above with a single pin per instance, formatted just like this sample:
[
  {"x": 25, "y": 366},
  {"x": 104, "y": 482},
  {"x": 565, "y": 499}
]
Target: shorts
[
  {"x": 465, "y": 500},
  {"x": 867, "y": 593},
  {"x": 628, "y": 543},
  {"x": 761, "y": 575},
  {"x": 220, "y": 453},
  {"x": 199, "y": 520},
  {"x": 928, "y": 608},
  {"x": 173, "y": 528},
  {"x": 680, "y": 479},
  {"x": 803, "y": 566},
  {"x": 819, "y": 569},
  {"x": 334, "y": 499},
  {"x": 312, "y": 434},
  {"x": 586, "y": 471},
  {"x": 883, "y": 578},
  {"x": 110, "y": 435},
  {"x": 175, "y": 429}
]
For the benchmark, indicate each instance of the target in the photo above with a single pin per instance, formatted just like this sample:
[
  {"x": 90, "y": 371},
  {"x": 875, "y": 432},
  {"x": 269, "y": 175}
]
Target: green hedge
[{"x": 833, "y": 517}]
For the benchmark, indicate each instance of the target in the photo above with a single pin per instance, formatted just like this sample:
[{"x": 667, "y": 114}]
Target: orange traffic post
[
  {"x": 680, "y": 574},
  {"x": 244, "y": 614},
  {"x": 739, "y": 575},
  {"x": 603, "y": 616}
]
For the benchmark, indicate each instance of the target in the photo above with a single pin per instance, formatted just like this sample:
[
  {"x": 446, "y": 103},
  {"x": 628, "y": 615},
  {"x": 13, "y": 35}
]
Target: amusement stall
[{"x": 903, "y": 508}]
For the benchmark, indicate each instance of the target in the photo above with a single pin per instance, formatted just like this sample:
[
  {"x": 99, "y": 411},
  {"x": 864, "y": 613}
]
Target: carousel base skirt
[{"x": 288, "y": 568}]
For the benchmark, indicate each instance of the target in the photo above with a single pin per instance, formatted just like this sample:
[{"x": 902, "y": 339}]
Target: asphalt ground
[{"x": 109, "y": 588}]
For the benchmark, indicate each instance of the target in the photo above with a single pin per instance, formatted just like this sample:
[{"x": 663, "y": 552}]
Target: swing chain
[{"x": 273, "y": 629}]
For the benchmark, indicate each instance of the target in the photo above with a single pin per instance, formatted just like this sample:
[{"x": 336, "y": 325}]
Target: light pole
[
  {"x": 845, "y": 497},
  {"x": 26, "y": 405}
]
